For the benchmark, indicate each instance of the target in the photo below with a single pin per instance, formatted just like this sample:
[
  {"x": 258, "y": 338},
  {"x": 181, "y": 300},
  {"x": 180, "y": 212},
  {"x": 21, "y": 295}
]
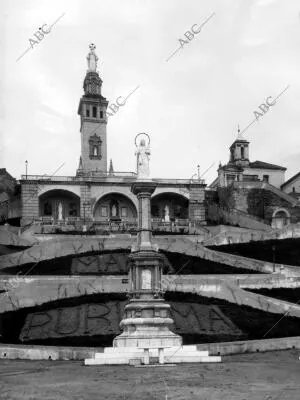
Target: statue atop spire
[{"x": 92, "y": 59}]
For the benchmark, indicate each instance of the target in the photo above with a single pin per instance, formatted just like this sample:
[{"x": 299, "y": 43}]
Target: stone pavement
[{"x": 264, "y": 376}]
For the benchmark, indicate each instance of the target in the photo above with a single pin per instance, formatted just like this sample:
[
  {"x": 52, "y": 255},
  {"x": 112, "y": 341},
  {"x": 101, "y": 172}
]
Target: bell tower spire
[{"x": 92, "y": 111}]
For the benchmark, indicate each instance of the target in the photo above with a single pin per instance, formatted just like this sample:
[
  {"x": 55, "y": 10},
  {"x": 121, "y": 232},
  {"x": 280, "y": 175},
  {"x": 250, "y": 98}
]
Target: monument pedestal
[{"x": 147, "y": 317}]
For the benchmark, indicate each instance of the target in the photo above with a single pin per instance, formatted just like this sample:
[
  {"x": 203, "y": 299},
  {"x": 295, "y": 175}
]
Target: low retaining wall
[
  {"x": 251, "y": 346},
  {"x": 45, "y": 237},
  {"x": 26, "y": 352}
]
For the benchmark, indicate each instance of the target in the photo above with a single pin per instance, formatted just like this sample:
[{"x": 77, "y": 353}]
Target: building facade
[
  {"x": 98, "y": 196},
  {"x": 255, "y": 189},
  {"x": 10, "y": 210},
  {"x": 241, "y": 169},
  {"x": 292, "y": 186}
]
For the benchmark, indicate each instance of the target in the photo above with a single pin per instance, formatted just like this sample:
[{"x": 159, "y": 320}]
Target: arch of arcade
[{"x": 66, "y": 200}]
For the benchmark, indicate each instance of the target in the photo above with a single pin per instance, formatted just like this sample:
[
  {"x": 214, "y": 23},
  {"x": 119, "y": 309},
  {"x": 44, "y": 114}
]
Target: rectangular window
[
  {"x": 101, "y": 114},
  {"x": 94, "y": 112},
  {"x": 124, "y": 212},
  {"x": 87, "y": 112},
  {"x": 104, "y": 212},
  {"x": 266, "y": 178}
]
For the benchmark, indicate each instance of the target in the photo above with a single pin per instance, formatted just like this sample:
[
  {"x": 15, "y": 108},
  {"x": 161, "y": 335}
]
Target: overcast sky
[{"x": 190, "y": 105}]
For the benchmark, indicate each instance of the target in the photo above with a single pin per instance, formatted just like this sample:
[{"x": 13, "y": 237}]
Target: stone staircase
[
  {"x": 139, "y": 356},
  {"x": 279, "y": 193},
  {"x": 236, "y": 217}
]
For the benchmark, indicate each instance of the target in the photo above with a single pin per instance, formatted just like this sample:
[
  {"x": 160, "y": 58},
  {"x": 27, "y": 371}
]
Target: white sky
[{"x": 190, "y": 105}]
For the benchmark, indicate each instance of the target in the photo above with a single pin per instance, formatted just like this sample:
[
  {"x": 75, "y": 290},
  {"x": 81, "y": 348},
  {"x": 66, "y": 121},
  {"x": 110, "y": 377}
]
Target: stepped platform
[{"x": 143, "y": 355}]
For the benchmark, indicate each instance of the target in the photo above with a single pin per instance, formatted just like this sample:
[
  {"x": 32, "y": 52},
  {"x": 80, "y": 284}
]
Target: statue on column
[
  {"x": 143, "y": 156},
  {"x": 92, "y": 59}
]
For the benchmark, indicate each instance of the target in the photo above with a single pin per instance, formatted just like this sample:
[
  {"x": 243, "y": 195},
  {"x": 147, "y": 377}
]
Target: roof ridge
[{"x": 264, "y": 163}]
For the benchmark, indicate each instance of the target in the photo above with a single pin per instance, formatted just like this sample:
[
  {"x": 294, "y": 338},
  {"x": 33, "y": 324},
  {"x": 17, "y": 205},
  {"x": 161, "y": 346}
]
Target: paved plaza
[{"x": 261, "y": 376}]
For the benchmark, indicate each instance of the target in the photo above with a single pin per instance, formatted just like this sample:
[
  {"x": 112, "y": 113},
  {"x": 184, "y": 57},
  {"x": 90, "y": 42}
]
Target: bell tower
[
  {"x": 239, "y": 151},
  {"x": 93, "y": 120}
]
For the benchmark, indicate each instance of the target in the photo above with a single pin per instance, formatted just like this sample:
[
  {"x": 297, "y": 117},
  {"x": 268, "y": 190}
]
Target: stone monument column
[
  {"x": 147, "y": 318},
  {"x": 143, "y": 191}
]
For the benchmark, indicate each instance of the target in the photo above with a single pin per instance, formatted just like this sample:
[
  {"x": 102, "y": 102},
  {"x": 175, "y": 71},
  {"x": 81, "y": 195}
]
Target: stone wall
[
  {"x": 10, "y": 209},
  {"x": 232, "y": 234},
  {"x": 29, "y": 202},
  {"x": 251, "y": 346},
  {"x": 85, "y": 202},
  {"x": 240, "y": 200},
  {"x": 262, "y": 203},
  {"x": 31, "y": 352},
  {"x": 197, "y": 204},
  {"x": 234, "y": 217},
  {"x": 103, "y": 319}
]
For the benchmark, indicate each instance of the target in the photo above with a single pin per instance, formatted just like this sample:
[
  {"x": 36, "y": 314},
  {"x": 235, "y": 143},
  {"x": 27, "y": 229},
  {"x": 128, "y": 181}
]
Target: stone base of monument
[
  {"x": 166, "y": 355},
  {"x": 147, "y": 332}
]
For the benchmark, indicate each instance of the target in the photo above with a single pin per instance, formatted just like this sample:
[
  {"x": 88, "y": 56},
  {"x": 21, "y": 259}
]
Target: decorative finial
[
  {"x": 111, "y": 168},
  {"x": 92, "y": 59}
]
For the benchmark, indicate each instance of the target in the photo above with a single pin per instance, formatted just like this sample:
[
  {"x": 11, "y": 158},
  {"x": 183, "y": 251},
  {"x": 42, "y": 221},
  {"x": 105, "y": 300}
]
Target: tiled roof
[
  {"x": 232, "y": 166},
  {"x": 264, "y": 165},
  {"x": 291, "y": 179}
]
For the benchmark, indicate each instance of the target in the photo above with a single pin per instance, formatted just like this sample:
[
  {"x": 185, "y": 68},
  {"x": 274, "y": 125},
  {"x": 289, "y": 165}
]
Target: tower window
[
  {"x": 242, "y": 152},
  {"x": 87, "y": 112},
  {"x": 95, "y": 147},
  {"x": 101, "y": 114},
  {"x": 94, "y": 112}
]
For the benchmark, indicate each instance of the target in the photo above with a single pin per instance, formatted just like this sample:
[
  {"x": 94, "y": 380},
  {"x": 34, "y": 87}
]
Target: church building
[
  {"x": 255, "y": 188},
  {"x": 97, "y": 197},
  {"x": 241, "y": 169}
]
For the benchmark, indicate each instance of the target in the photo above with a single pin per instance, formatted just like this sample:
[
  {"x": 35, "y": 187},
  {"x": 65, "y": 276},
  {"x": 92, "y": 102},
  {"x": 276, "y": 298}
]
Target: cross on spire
[{"x": 240, "y": 135}]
